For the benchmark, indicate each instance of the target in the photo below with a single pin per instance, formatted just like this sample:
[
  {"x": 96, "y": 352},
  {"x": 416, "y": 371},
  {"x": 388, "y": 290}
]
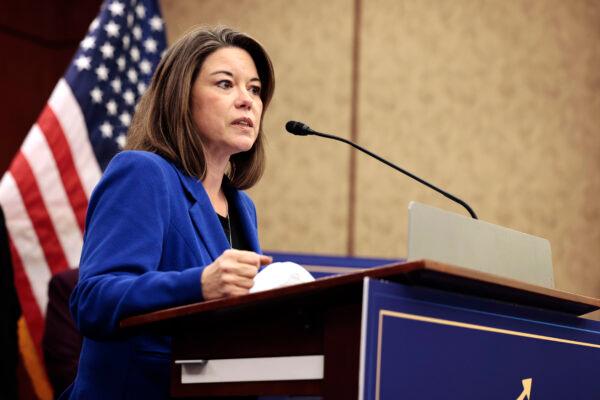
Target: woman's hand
[{"x": 231, "y": 274}]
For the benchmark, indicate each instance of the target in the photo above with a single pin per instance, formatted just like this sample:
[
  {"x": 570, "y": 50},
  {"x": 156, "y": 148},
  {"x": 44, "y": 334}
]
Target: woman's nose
[{"x": 244, "y": 99}]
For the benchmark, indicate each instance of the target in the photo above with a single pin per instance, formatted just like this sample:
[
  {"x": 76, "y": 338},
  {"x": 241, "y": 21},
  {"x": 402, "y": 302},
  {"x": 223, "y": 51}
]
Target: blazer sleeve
[{"x": 127, "y": 222}]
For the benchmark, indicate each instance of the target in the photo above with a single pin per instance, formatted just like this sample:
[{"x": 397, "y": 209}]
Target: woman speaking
[{"x": 168, "y": 223}]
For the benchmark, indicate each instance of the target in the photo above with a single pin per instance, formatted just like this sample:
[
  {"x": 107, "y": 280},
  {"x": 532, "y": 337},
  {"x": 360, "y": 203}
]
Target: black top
[{"x": 238, "y": 241}]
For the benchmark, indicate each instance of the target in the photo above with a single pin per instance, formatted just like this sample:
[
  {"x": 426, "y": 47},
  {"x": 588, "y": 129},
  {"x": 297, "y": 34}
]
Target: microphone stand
[{"x": 304, "y": 130}]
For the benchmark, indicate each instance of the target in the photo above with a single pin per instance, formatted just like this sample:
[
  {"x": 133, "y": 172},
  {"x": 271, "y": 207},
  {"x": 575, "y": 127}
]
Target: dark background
[{"x": 37, "y": 41}]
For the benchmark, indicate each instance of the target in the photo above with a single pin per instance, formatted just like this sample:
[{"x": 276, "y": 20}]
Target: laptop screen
[{"x": 455, "y": 239}]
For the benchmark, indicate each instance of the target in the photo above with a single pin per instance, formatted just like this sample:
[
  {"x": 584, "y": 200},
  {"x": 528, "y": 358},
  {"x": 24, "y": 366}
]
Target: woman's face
[{"x": 226, "y": 103}]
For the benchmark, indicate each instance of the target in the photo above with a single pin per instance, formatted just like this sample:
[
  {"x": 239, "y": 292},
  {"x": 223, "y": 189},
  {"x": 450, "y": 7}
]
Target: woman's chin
[{"x": 244, "y": 145}]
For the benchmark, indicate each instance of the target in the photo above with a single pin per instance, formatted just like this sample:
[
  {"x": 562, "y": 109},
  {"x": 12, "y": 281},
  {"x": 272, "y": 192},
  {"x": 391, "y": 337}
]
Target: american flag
[{"x": 45, "y": 192}]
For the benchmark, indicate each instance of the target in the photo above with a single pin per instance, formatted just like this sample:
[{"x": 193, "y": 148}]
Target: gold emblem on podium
[{"x": 526, "y": 394}]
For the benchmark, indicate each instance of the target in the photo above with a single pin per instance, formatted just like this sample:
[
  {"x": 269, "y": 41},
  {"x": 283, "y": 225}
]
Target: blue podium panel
[{"x": 421, "y": 343}]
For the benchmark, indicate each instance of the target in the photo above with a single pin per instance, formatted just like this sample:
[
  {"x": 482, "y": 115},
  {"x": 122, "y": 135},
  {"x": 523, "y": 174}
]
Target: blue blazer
[{"x": 150, "y": 232}]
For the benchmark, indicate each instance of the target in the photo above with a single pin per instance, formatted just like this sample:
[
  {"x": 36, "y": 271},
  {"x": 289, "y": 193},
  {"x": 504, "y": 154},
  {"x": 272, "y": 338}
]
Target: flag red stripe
[
  {"x": 57, "y": 141},
  {"x": 29, "y": 307},
  {"x": 38, "y": 214}
]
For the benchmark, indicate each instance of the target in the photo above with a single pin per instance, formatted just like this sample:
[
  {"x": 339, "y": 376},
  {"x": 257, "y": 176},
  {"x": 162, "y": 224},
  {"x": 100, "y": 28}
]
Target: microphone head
[{"x": 298, "y": 128}]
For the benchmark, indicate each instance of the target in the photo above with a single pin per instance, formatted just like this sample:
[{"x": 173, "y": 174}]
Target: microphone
[
  {"x": 301, "y": 129},
  {"x": 298, "y": 128}
]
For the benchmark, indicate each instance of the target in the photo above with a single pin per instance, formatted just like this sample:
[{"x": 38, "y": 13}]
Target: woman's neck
[{"x": 212, "y": 183}]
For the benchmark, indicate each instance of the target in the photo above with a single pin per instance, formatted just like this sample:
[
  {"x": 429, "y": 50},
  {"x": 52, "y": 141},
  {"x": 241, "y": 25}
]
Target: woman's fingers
[
  {"x": 239, "y": 281},
  {"x": 265, "y": 260},
  {"x": 242, "y": 270},
  {"x": 249, "y": 257},
  {"x": 232, "y": 273}
]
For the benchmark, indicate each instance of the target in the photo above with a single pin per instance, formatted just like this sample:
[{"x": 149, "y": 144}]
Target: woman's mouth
[{"x": 247, "y": 122}]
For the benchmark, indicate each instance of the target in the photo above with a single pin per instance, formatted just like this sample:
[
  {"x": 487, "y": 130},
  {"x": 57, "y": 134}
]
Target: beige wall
[{"x": 496, "y": 101}]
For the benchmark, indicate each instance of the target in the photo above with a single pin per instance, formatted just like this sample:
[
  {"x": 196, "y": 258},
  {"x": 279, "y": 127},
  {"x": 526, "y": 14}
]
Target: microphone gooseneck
[{"x": 301, "y": 129}]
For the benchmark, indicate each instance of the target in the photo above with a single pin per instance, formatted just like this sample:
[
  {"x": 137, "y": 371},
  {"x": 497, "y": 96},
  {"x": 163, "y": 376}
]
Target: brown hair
[{"x": 163, "y": 121}]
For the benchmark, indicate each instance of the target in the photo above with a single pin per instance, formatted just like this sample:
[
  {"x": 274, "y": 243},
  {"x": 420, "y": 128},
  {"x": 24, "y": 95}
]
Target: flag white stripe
[
  {"x": 37, "y": 152},
  {"x": 67, "y": 110},
  {"x": 26, "y": 242}
]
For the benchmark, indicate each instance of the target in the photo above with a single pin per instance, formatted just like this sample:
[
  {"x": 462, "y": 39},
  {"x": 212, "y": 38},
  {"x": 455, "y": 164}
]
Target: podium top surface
[{"x": 421, "y": 273}]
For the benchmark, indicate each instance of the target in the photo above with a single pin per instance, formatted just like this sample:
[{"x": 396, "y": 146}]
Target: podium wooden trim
[{"x": 318, "y": 318}]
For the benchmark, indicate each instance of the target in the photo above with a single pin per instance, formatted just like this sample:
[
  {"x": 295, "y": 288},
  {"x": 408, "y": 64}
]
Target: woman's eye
[
  {"x": 225, "y": 84},
  {"x": 255, "y": 90}
]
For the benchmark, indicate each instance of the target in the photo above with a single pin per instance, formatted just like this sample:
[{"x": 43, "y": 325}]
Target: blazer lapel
[{"x": 204, "y": 217}]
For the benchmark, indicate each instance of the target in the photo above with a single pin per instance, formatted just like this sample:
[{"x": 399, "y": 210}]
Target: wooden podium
[{"x": 336, "y": 326}]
